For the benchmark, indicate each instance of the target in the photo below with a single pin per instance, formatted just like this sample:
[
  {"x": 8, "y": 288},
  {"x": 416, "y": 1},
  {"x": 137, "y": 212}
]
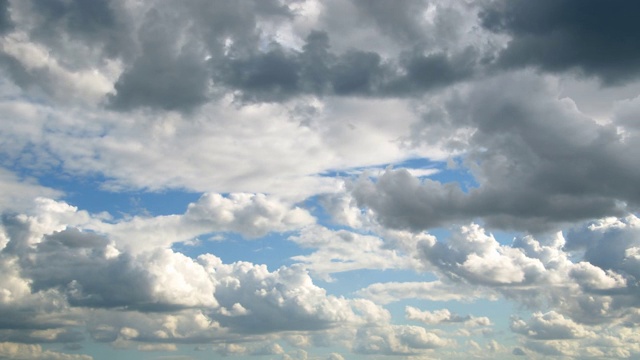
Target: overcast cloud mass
[{"x": 306, "y": 179}]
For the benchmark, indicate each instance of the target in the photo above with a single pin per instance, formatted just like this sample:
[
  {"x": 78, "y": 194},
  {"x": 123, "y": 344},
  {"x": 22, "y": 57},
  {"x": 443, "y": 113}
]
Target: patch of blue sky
[
  {"x": 273, "y": 250},
  {"x": 88, "y": 194}
]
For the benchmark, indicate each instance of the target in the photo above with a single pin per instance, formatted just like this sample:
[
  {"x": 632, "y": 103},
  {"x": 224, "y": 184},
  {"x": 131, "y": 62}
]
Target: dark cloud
[
  {"x": 79, "y": 266},
  {"x": 424, "y": 24},
  {"x": 538, "y": 161},
  {"x": 399, "y": 20},
  {"x": 76, "y": 263},
  {"x": 64, "y": 336},
  {"x": 6, "y": 24},
  {"x": 277, "y": 74},
  {"x": 599, "y": 38},
  {"x": 273, "y": 75},
  {"x": 183, "y": 55},
  {"x": 612, "y": 247},
  {"x": 102, "y": 24},
  {"x": 165, "y": 76},
  {"x": 170, "y": 74}
]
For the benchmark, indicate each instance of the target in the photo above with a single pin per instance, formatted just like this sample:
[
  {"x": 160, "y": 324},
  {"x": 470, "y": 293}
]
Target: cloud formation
[
  {"x": 550, "y": 34},
  {"x": 313, "y": 179}
]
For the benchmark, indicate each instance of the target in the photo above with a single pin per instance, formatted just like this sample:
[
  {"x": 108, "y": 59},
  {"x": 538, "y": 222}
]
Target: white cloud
[
  {"x": 396, "y": 340},
  {"x": 35, "y": 352},
  {"x": 17, "y": 194},
  {"x": 251, "y": 215},
  {"x": 593, "y": 277},
  {"x": 444, "y": 316},
  {"x": 549, "y": 326},
  {"x": 342, "y": 250},
  {"x": 384, "y": 293}
]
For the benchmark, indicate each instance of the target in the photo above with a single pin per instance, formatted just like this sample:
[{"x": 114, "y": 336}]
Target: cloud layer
[{"x": 432, "y": 179}]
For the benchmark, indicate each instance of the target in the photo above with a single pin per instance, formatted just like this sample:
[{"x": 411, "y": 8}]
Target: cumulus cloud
[
  {"x": 549, "y": 326},
  {"x": 359, "y": 135},
  {"x": 24, "y": 351},
  {"x": 538, "y": 161},
  {"x": 396, "y": 340},
  {"x": 444, "y": 316},
  {"x": 251, "y": 215},
  {"x": 54, "y": 273}
]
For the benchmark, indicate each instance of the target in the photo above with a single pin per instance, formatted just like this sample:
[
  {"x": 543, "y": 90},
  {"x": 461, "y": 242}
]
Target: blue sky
[{"x": 326, "y": 180}]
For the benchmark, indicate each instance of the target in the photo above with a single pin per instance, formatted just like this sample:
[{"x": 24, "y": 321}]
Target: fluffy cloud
[
  {"x": 339, "y": 251},
  {"x": 56, "y": 274},
  {"x": 23, "y": 351},
  {"x": 251, "y": 215},
  {"x": 396, "y": 340},
  {"x": 538, "y": 161},
  {"x": 343, "y": 129},
  {"x": 444, "y": 316},
  {"x": 17, "y": 194},
  {"x": 549, "y": 326}
]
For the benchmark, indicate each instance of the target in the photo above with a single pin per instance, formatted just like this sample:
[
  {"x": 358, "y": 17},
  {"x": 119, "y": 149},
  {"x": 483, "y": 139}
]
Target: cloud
[
  {"x": 102, "y": 24},
  {"x": 385, "y": 293},
  {"x": 549, "y": 326},
  {"x": 168, "y": 75},
  {"x": 279, "y": 301},
  {"x": 340, "y": 251},
  {"x": 402, "y": 139},
  {"x": 251, "y": 215},
  {"x": 180, "y": 59},
  {"x": 5, "y": 17},
  {"x": 549, "y": 34},
  {"x": 537, "y": 160},
  {"x": 23, "y": 351},
  {"x": 16, "y": 193},
  {"x": 279, "y": 74},
  {"x": 55, "y": 274},
  {"x": 396, "y": 340},
  {"x": 444, "y": 316}
]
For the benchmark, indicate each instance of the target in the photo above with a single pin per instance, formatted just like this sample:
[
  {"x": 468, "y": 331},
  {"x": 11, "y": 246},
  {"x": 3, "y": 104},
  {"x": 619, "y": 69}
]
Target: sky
[{"x": 327, "y": 180}]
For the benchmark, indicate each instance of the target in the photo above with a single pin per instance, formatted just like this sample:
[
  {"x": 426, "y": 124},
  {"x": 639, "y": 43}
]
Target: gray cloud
[
  {"x": 171, "y": 75},
  {"x": 182, "y": 55},
  {"x": 400, "y": 21},
  {"x": 6, "y": 24},
  {"x": 78, "y": 265},
  {"x": 166, "y": 75},
  {"x": 77, "y": 33},
  {"x": 595, "y": 37},
  {"x": 538, "y": 162},
  {"x": 279, "y": 74}
]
